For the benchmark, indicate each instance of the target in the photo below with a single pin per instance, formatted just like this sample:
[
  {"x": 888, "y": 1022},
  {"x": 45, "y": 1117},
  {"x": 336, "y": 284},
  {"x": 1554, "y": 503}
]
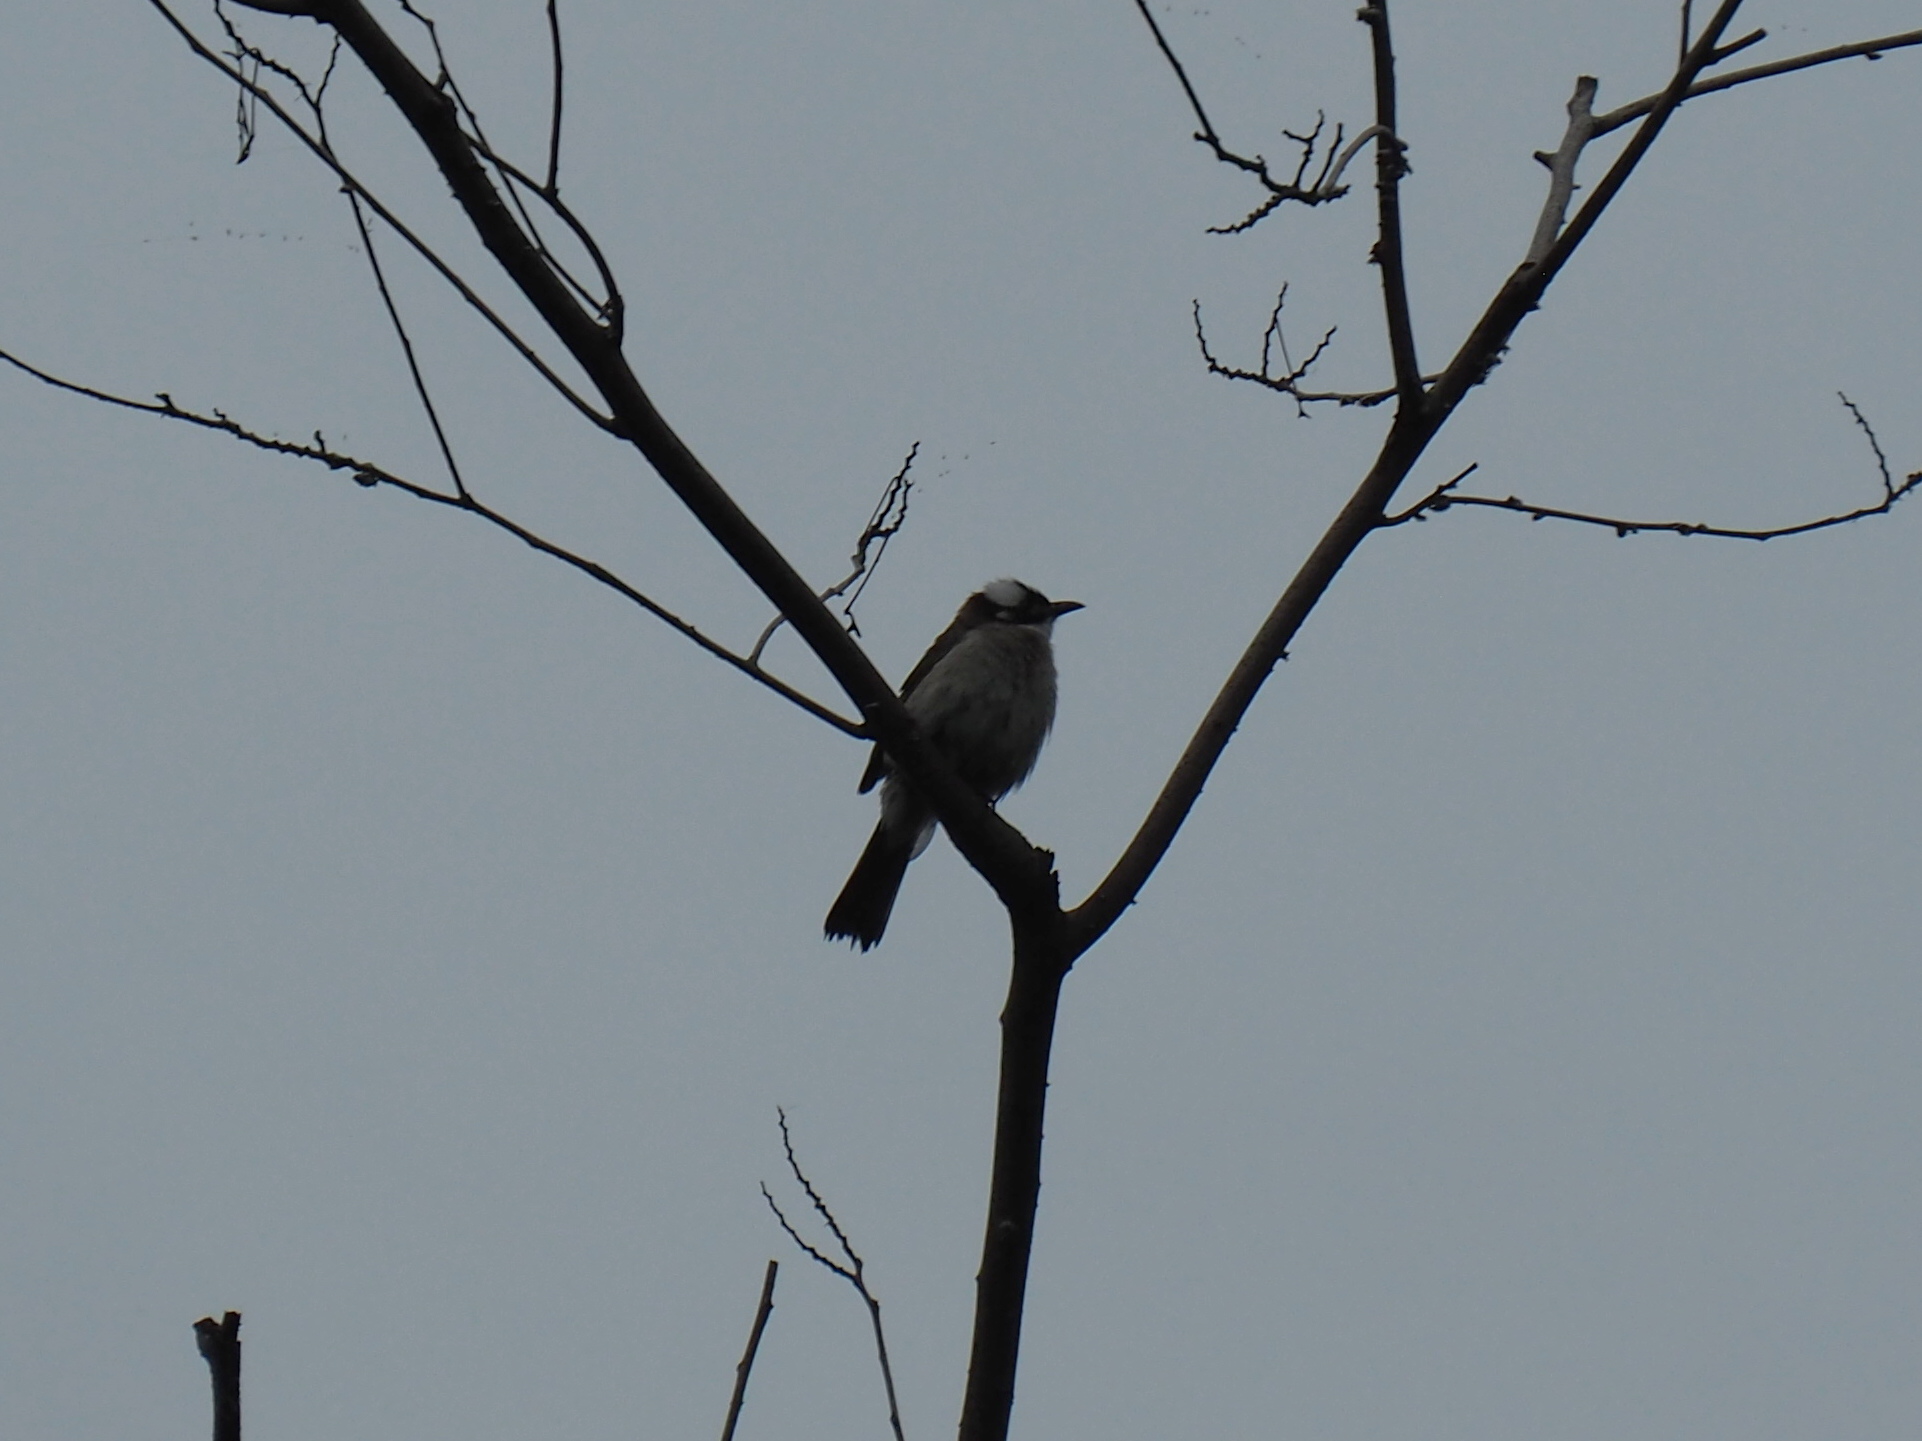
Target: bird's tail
[{"x": 860, "y": 913}]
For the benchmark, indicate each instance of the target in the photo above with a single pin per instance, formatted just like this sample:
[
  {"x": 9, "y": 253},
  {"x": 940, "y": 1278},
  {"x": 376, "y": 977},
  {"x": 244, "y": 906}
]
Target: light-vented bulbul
[{"x": 983, "y": 696}]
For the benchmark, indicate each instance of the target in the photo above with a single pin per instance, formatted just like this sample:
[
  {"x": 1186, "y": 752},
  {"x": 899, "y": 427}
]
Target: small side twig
[
  {"x": 219, "y": 1343},
  {"x": 889, "y": 515},
  {"x": 852, "y": 1270},
  {"x": 746, "y": 1364}
]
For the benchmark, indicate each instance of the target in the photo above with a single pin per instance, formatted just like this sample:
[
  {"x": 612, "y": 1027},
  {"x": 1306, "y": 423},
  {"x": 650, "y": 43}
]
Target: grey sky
[{"x": 408, "y": 944}]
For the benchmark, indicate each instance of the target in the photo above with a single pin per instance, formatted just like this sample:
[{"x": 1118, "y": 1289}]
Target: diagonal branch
[
  {"x": 745, "y": 1366},
  {"x": 319, "y": 148},
  {"x": 1364, "y": 512},
  {"x": 1019, "y": 873},
  {"x": 371, "y": 476},
  {"x": 1866, "y": 49}
]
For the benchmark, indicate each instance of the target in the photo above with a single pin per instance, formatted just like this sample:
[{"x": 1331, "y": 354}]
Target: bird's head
[{"x": 1009, "y": 602}]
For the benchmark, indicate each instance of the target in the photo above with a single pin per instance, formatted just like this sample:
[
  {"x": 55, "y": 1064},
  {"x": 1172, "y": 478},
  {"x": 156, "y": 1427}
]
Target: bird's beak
[{"x": 1062, "y": 607}]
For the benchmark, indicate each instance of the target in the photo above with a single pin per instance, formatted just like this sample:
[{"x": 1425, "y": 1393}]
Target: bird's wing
[{"x": 943, "y": 643}]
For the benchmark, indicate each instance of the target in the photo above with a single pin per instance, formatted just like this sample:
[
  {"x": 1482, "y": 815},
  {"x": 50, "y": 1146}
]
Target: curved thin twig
[{"x": 884, "y": 523}]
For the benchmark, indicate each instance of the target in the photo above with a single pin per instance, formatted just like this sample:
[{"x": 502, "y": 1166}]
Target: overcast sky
[{"x": 407, "y": 943}]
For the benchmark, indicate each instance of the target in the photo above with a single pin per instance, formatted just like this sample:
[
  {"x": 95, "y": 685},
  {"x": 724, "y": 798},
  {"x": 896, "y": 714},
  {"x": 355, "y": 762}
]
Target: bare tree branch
[
  {"x": 1019, "y": 873},
  {"x": 1364, "y": 512},
  {"x": 219, "y": 1343},
  {"x": 853, "y": 1269},
  {"x": 370, "y": 476},
  {"x": 1288, "y": 381},
  {"x": 1561, "y": 167},
  {"x": 745, "y": 1366},
  {"x": 884, "y": 523},
  {"x": 1444, "y": 497},
  {"x": 553, "y": 185},
  {"x": 425, "y": 251},
  {"x": 1326, "y": 185},
  {"x": 1391, "y": 163},
  {"x": 1866, "y": 49}
]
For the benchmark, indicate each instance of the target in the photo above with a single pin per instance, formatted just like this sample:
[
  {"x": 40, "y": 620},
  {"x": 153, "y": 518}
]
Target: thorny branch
[
  {"x": 1445, "y": 497},
  {"x": 889, "y": 515},
  {"x": 853, "y": 1270},
  {"x": 372, "y": 476}
]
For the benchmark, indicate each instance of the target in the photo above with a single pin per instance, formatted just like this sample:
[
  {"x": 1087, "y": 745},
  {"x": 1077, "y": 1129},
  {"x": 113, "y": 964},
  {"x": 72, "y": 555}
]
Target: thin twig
[
  {"x": 1288, "y": 382},
  {"x": 1326, "y": 185},
  {"x": 407, "y": 347},
  {"x": 370, "y": 476},
  {"x": 853, "y": 1271},
  {"x": 374, "y": 203},
  {"x": 746, "y": 1363},
  {"x": 889, "y": 515},
  {"x": 514, "y": 180},
  {"x": 1444, "y": 497},
  {"x": 553, "y": 186}
]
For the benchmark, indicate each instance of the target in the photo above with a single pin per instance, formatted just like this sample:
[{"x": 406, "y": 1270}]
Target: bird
[{"x": 984, "y": 697}]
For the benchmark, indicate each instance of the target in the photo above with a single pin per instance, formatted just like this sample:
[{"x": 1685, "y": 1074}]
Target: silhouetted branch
[
  {"x": 319, "y": 148},
  {"x": 370, "y": 476},
  {"x": 1444, "y": 497},
  {"x": 889, "y": 515},
  {"x": 1391, "y": 164},
  {"x": 1324, "y": 187},
  {"x": 514, "y": 180},
  {"x": 553, "y": 185},
  {"x": 1288, "y": 381},
  {"x": 746, "y": 1364},
  {"x": 219, "y": 1343},
  {"x": 1866, "y": 49},
  {"x": 853, "y": 1270}
]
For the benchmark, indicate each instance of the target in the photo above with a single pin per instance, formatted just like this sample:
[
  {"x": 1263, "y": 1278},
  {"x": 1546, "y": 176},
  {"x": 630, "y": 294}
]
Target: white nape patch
[{"x": 1005, "y": 594}]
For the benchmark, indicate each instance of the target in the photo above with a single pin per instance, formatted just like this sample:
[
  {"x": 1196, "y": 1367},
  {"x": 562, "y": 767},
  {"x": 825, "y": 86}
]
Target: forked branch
[{"x": 850, "y": 1268}]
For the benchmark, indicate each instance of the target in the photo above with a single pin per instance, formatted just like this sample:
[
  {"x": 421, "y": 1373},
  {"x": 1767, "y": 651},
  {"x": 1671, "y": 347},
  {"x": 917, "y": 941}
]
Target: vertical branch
[
  {"x": 1027, "y": 1037},
  {"x": 1390, "y": 165},
  {"x": 746, "y": 1363},
  {"x": 553, "y": 185},
  {"x": 219, "y": 1343}
]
